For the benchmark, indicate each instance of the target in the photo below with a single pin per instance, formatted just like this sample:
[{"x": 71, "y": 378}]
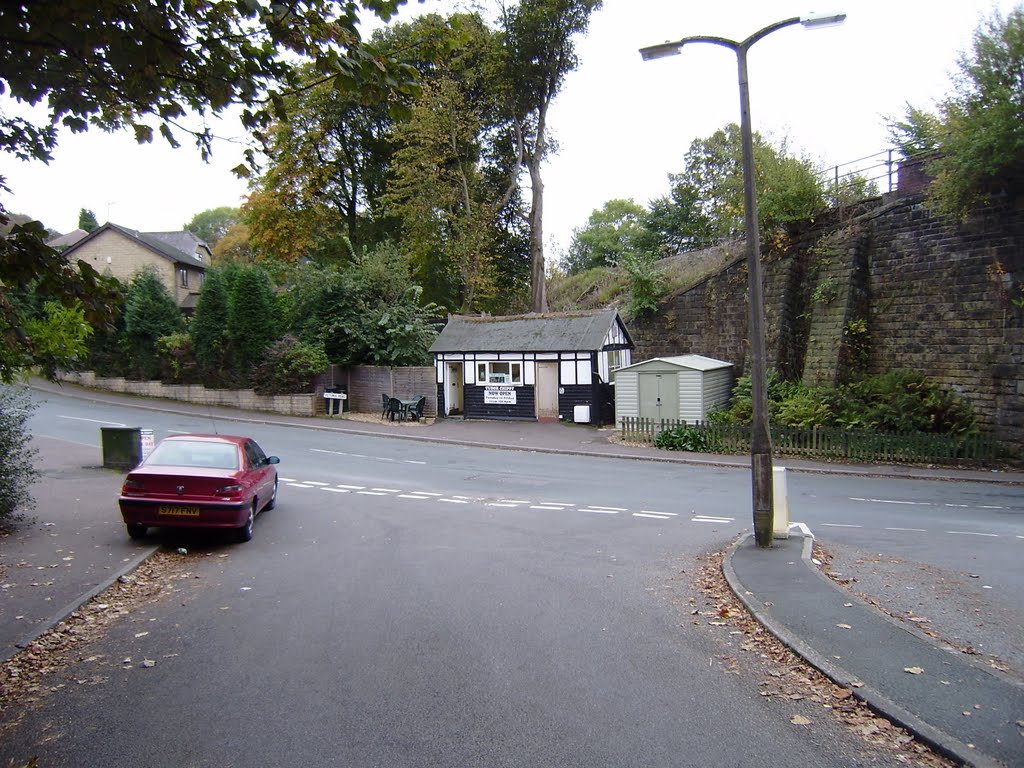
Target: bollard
[{"x": 780, "y": 506}]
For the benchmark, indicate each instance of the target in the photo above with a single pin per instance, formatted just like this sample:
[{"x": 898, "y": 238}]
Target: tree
[
  {"x": 705, "y": 205},
  {"x": 31, "y": 274},
  {"x": 979, "y": 131},
  {"x": 209, "y": 326},
  {"x": 149, "y": 313},
  {"x": 252, "y": 318},
  {"x": 540, "y": 53},
  {"x": 614, "y": 230},
  {"x": 212, "y": 224},
  {"x": 87, "y": 220},
  {"x": 145, "y": 66}
]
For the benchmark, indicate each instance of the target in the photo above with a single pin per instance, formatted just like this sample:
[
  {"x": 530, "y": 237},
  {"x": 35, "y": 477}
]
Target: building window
[
  {"x": 615, "y": 360},
  {"x": 184, "y": 277},
  {"x": 499, "y": 372}
]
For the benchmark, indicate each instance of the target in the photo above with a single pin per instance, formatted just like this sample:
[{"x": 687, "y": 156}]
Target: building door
[
  {"x": 659, "y": 398},
  {"x": 546, "y": 391},
  {"x": 453, "y": 389}
]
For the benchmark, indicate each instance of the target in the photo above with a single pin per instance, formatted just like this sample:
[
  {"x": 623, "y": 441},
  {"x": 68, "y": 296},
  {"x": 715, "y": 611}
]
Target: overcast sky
[{"x": 622, "y": 124}]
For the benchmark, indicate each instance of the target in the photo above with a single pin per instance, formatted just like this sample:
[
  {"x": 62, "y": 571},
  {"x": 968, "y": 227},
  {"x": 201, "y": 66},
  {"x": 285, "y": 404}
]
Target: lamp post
[{"x": 761, "y": 442}]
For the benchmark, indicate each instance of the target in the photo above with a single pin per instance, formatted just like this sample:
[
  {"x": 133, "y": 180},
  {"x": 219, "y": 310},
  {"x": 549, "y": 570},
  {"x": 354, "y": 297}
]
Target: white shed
[{"x": 684, "y": 387}]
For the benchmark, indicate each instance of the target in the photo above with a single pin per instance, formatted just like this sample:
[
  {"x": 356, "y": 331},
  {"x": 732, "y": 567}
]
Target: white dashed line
[
  {"x": 455, "y": 501},
  {"x": 513, "y": 501},
  {"x": 710, "y": 519},
  {"x": 600, "y": 511},
  {"x": 974, "y": 533},
  {"x": 653, "y": 516},
  {"x": 351, "y": 487},
  {"x": 656, "y": 512},
  {"x": 892, "y": 501},
  {"x": 413, "y": 496},
  {"x": 914, "y": 530},
  {"x": 299, "y": 485},
  {"x": 840, "y": 525},
  {"x": 371, "y": 493},
  {"x": 547, "y": 506},
  {"x": 501, "y": 504},
  {"x": 336, "y": 490},
  {"x": 314, "y": 482},
  {"x": 612, "y": 509},
  {"x": 386, "y": 490}
]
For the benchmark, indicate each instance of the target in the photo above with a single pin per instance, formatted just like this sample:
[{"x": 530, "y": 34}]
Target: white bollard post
[{"x": 780, "y": 504}]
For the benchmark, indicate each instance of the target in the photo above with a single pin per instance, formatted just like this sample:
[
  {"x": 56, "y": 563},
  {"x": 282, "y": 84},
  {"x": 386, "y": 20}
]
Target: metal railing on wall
[
  {"x": 872, "y": 174},
  {"x": 828, "y": 443}
]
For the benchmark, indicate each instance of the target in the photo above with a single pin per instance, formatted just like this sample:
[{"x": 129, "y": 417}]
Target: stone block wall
[{"x": 938, "y": 297}]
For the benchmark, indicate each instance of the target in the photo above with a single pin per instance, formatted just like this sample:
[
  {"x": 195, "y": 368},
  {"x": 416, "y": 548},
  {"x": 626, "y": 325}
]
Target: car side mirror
[{"x": 273, "y": 460}]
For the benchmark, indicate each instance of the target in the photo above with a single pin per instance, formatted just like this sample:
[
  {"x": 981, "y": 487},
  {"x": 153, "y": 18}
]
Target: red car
[{"x": 200, "y": 481}]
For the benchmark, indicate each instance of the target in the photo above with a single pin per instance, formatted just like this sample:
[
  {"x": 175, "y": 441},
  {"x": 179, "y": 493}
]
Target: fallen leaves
[
  {"x": 33, "y": 672},
  {"x": 913, "y": 670},
  {"x": 789, "y": 680}
]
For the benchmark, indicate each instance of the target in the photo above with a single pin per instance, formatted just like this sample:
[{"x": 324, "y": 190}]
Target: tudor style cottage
[
  {"x": 179, "y": 258},
  {"x": 531, "y": 367}
]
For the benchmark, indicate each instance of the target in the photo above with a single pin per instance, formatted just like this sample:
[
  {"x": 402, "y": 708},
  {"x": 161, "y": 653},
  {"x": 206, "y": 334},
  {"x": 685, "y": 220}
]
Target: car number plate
[{"x": 177, "y": 511}]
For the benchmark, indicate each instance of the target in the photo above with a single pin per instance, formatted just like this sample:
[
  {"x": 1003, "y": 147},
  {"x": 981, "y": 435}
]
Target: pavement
[{"x": 72, "y": 546}]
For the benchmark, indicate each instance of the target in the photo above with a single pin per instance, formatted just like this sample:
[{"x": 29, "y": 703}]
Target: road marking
[
  {"x": 990, "y": 506},
  {"x": 96, "y": 421},
  {"x": 413, "y": 496},
  {"x": 840, "y": 525},
  {"x": 711, "y": 519},
  {"x": 613, "y": 509},
  {"x": 650, "y": 515},
  {"x": 974, "y": 533},
  {"x": 656, "y": 512},
  {"x": 386, "y": 490},
  {"x": 513, "y": 501},
  {"x": 600, "y": 511},
  {"x": 957, "y": 506},
  {"x": 501, "y": 504},
  {"x": 547, "y": 506},
  {"x": 314, "y": 482},
  {"x": 915, "y": 530},
  {"x": 299, "y": 485},
  {"x": 371, "y": 493},
  {"x": 892, "y": 501},
  {"x": 336, "y": 490},
  {"x": 455, "y": 501},
  {"x": 351, "y": 487}
]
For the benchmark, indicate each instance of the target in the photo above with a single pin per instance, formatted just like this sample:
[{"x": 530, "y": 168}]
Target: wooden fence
[{"x": 829, "y": 443}]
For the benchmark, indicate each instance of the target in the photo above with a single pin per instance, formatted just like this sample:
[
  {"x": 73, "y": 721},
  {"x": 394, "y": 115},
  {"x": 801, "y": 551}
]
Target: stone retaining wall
[{"x": 246, "y": 399}]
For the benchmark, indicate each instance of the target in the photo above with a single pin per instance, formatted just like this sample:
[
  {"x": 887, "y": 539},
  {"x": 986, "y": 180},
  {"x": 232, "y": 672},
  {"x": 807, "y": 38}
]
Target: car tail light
[
  {"x": 229, "y": 491},
  {"x": 133, "y": 487}
]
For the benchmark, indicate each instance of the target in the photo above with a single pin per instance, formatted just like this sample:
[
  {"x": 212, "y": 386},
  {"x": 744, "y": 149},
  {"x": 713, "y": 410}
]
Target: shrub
[
  {"x": 685, "y": 438},
  {"x": 177, "y": 360},
  {"x": 289, "y": 367},
  {"x": 17, "y": 471}
]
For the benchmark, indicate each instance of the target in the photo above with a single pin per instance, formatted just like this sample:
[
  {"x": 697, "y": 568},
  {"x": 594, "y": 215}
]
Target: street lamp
[{"x": 761, "y": 442}]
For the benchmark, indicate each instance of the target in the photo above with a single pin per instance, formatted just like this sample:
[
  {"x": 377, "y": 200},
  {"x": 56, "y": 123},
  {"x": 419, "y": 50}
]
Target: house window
[
  {"x": 499, "y": 372},
  {"x": 615, "y": 360},
  {"x": 184, "y": 277}
]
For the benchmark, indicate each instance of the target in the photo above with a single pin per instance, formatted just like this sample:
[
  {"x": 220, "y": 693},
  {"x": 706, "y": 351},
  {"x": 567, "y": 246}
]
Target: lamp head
[
  {"x": 815, "y": 20},
  {"x": 661, "y": 51}
]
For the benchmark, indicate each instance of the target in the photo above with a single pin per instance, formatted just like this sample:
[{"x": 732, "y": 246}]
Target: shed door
[
  {"x": 659, "y": 396},
  {"x": 547, "y": 391}
]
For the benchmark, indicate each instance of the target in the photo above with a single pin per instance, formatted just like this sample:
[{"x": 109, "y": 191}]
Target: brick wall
[{"x": 938, "y": 297}]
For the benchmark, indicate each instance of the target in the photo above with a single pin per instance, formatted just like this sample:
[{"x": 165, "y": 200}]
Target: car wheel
[
  {"x": 245, "y": 532},
  {"x": 136, "y": 530},
  {"x": 273, "y": 497}
]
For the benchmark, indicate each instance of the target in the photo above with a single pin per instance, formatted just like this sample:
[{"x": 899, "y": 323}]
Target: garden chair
[
  {"x": 387, "y": 406},
  {"x": 416, "y": 410}
]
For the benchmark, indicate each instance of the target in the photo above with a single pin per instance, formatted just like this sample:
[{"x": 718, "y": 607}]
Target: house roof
[
  {"x": 158, "y": 242},
  {"x": 693, "y": 362},
  {"x": 67, "y": 240},
  {"x": 562, "y": 332}
]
